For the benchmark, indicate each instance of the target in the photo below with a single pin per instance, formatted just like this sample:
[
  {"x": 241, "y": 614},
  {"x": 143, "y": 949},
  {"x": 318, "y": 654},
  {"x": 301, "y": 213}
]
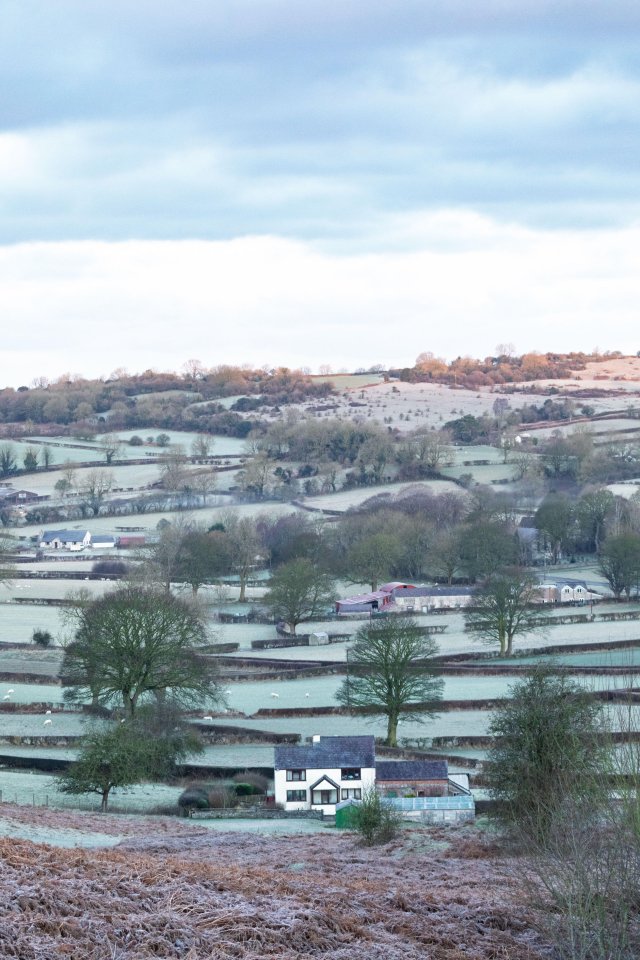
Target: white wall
[{"x": 281, "y": 784}]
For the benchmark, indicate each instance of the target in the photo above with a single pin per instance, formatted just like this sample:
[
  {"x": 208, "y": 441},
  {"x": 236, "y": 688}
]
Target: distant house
[
  {"x": 74, "y": 540},
  {"x": 566, "y": 591},
  {"x": 330, "y": 771},
  {"x": 319, "y": 775}
]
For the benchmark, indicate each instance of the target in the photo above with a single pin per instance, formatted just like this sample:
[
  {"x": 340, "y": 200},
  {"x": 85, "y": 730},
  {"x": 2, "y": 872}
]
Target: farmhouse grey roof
[
  {"x": 412, "y": 770},
  {"x": 327, "y": 753},
  {"x": 65, "y": 536}
]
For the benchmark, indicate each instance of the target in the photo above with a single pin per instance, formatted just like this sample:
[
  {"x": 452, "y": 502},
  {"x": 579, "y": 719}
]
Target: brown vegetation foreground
[{"x": 192, "y": 893}]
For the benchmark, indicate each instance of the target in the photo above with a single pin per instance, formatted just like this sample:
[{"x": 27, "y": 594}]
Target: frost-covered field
[
  {"x": 321, "y": 691},
  {"x": 220, "y": 446},
  {"x": 455, "y": 723},
  {"x": 233, "y": 756},
  {"x": 40, "y": 789},
  {"x": 352, "y": 498},
  {"x": 51, "y": 589},
  {"x": 489, "y": 473},
  {"x": 65, "y": 724},
  {"x": 17, "y": 621},
  {"x": 595, "y": 427},
  {"x": 182, "y": 890},
  {"x": 56, "y": 836},
  {"x": 27, "y": 693}
]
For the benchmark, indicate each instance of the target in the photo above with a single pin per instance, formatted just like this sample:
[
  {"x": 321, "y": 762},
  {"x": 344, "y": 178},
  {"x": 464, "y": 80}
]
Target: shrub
[
  {"x": 193, "y": 798},
  {"x": 110, "y": 566},
  {"x": 374, "y": 820},
  {"x": 247, "y": 790},
  {"x": 135, "y": 441},
  {"x": 42, "y": 638},
  {"x": 221, "y": 798},
  {"x": 257, "y": 780}
]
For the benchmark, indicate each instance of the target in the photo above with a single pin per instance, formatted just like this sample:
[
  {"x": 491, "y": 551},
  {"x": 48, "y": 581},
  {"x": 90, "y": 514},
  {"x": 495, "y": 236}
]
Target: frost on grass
[{"x": 186, "y": 894}]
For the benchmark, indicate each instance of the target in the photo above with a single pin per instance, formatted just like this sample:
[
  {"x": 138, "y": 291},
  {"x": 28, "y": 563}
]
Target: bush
[
  {"x": 135, "y": 441},
  {"x": 103, "y": 567},
  {"x": 247, "y": 790},
  {"x": 193, "y": 798},
  {"x": 257, "y": 780},
  {"x": 374, "y": 820},
  {"x": 221, "y": 798},
  {"x": 41, "y": 638}
]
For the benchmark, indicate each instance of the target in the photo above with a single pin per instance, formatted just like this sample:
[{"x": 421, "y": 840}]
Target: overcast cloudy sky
[{"x": 306, "y": 182}]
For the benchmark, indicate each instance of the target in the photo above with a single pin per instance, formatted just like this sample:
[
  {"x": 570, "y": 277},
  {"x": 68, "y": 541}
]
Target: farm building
[
  {"x": 319, "y": 775},
  {"x": 398, "y": 597},
  {"x": 11, "y": 497},
  {"x": 432, "y": 598},
  {"x": 103, "y": 541},
  {"x": 418, "y": 778},
  {"x": 131, "y": 541},
  {"x": 567, "y": 591},
  {"x": 365, "y": 602},
  {"x": 74, "y": 540}
]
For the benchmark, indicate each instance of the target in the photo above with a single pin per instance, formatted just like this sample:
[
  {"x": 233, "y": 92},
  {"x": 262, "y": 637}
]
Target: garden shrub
[
  {"x": 374, "y": 820},
  {"x": 257, "y": 780}
]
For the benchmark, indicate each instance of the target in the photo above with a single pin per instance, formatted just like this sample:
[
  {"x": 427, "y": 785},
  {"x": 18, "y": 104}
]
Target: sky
[{"x": 315, "y": 182}]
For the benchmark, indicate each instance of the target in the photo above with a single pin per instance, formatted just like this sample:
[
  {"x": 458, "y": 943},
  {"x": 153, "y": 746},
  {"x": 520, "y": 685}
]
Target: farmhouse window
[
  {"x": 350, "y": 773},
  {"x": 325, "y": 796},
  {"x": 352, "y": 793},
  {"x": 296, "y": 796},
  {"x": 296, "y": 774}
]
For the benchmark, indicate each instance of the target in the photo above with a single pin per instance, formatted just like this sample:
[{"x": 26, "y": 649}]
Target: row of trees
[{"x": 151, "y": 398}]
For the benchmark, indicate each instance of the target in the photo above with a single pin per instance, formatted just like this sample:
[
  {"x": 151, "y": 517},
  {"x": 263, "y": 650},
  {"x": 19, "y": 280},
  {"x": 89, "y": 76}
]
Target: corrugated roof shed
[{"x": 327, "y": 753}]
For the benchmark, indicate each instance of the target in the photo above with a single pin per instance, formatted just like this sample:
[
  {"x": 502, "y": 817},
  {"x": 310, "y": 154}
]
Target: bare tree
[
  {"x": 245, "y": 547},
  {"x": 94, "y": 488},
  {"x": 390, "y": 668},
  {"x": 202, "y": 446},
  {"x": 110, "y": 446}
]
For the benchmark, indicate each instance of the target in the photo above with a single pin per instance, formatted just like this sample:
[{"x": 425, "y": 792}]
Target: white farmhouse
[
  {"x": 319, "y": 775},
  {"x": 74, "y": 540}
]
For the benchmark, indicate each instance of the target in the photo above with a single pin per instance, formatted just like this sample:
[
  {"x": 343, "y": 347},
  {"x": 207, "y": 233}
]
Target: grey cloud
[{"x": 313, "y": 120}]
